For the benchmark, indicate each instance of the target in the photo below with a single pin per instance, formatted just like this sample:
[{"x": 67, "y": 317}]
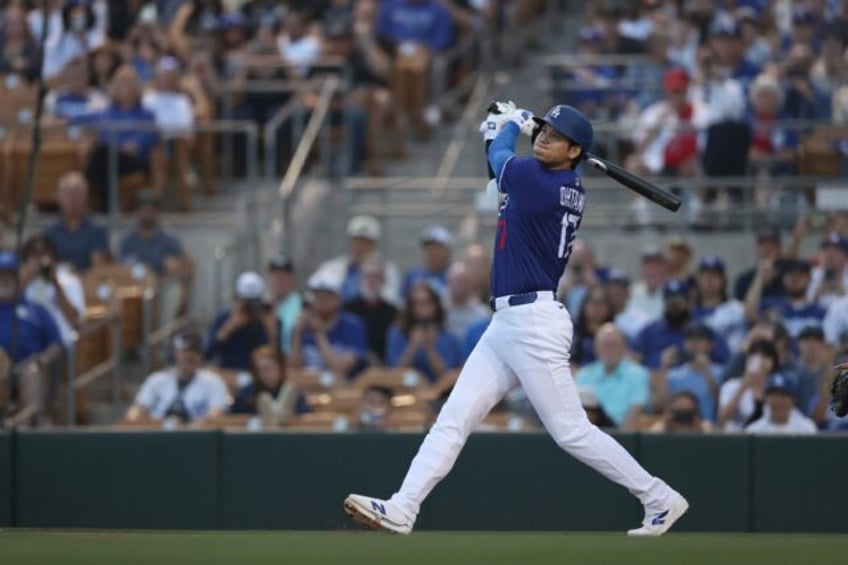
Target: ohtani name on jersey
[{"x": 572, "y": 198}]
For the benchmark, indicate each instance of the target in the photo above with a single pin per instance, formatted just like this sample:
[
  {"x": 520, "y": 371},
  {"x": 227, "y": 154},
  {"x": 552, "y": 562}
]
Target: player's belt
[{"x": 501, "y": 302}]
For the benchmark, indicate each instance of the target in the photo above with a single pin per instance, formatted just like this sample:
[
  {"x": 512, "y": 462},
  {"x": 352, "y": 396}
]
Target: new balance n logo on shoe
[
  {"x": 659, "y": 519},
  {"x": 381, "y": 508}
]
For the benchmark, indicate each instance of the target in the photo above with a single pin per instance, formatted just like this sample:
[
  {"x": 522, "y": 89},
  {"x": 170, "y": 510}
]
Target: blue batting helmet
[{"x": 570, "y": 122}]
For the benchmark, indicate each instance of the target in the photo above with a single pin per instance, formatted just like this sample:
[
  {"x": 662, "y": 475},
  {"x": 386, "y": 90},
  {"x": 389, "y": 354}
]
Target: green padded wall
[
  {"x": 6, "y": 466},
  {"x": 712, "y": 471},
  {"x": 799, "y": 484},
  {"x": 117, "y": 480}
]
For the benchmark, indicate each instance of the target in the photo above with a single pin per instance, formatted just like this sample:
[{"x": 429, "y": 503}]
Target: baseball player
[{"x": 528, "y": 340}]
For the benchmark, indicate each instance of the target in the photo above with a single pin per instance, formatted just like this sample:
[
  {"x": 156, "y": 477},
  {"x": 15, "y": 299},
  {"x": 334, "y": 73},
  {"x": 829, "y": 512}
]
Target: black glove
[{"x": 839, "y": 392}]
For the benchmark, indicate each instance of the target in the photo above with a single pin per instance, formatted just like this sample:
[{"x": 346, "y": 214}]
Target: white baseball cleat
[
  {"x": 657, "y": 523},
  {"x": 377, "y": 514}
]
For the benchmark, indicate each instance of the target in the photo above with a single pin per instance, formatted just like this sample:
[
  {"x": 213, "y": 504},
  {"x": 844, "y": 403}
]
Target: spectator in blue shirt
[
  {"x": 436, "y": 242},
  {"x": 794, "y": 308},
  {"x": 79, "y": 241},
  {"x": 420, "y": 340},
  {"x": 621, "y": 386},
  {"x": 76, "y": 97},
  {"x": 269, "y": 394},
  {"x": 689, "y": 369},
  {"x": 242, "y": 328},
  {"x": 667, "y": 332},
  {"x": 133, "y": 146},
  {"x": 425, "y": 22},
  {"x": 326, "y": 338},
  {"x": 29, "y": 337}
]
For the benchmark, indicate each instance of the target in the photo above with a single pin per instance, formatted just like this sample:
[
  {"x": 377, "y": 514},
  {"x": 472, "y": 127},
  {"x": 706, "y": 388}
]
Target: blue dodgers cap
[
  {"x": 836, "y": 239},
  {"x": 779, "y": 383},
  {"x": 8, "y": 261},
  {"x": 570, "y": 122},
  {"x": 676, "y": 287},
  {"x": 711, "y": 263}
]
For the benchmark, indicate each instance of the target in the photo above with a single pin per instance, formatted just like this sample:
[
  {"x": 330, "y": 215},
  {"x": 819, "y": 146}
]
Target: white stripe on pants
[{"x": 527, "y": 345}]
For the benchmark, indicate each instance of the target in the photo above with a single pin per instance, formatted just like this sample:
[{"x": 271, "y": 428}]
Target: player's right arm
[{"x": 502, "y": 150}]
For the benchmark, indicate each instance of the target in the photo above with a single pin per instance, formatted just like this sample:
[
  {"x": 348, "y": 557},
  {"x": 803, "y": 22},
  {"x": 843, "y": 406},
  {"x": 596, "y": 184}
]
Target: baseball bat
[{"x": 649, "y": 190}]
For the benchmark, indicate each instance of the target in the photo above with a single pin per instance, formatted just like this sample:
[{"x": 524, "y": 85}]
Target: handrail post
[
  {"x": 146, "y": 328},
  {"x": 117, "y": 346},
  {"x": 70, "y": 372}
]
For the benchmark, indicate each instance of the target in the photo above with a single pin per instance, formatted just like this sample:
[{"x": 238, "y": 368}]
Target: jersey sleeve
[
  {"x": 219, "y": 396},
  {"x": 146, "y": 395}
]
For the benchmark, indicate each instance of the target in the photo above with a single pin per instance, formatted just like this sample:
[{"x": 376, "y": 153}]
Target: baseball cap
[
  {"x": 835, "y": 239},
  {"x": 792, "y": 265},
  {"x": 366, "y": 227},
  {"x": 618, "y": 276},
  {"x": 168, "y": 64},
  {"x": 727, "y": 28},
  {"x": 280, "y": 263},
  {"x": 8, "y": 261},
  {"x": 249, "y": 286},
  {"x": 768, "y": 233},
  {"x": 321, "y": 282},
  {"x": 437, "y": 234},
  {"x": 779, "y": 383},
  {"x": 652, "y": 253},
  {"x": 188, "y": 341},
  {"x": 711, "y": 263},
  {"x": 676, "y": 287},
  {"x": 811, "y": 332},
  {"x": 803, "y": 15},
  {"x": 698, "y": 330},
  {"x": 675, "y": 80}
]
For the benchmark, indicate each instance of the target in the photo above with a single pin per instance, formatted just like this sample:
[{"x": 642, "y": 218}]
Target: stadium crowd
[{"x": 677, "y": 346}]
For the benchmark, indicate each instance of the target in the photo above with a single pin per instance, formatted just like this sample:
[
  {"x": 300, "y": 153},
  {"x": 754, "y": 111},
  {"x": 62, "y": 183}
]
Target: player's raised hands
[{"x": 524, "y": 120}]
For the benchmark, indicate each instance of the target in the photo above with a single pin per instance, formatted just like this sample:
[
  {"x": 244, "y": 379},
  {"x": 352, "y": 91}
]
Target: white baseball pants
[{"x": 527, "y": 345}]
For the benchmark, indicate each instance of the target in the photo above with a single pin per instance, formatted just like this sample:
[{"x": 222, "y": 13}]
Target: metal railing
[{"x": 112, "y": 365}]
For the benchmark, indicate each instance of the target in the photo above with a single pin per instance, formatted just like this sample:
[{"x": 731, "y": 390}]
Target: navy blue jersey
[{"x": 537, "y": 222}]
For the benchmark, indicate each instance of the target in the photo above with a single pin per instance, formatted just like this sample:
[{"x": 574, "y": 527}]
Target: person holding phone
[
  {"x": 245, "y": 326},
  {"x": 741, "y": 399}
]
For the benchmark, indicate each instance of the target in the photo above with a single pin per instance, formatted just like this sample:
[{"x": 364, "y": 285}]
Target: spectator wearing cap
[
  {"x": 363, "y": 237},
  {"x": 150, "y": 244},
  {"x": 646, "y": 295},
  {"x": 79, "y": 240},
  {"x": 667, "y": 332},
  {"x": 724, "y": 315},
  {"x": 781, "y": 416},
  {"x": 286, "y": 301},
  {"x": 185, "y": 392},
  {"x": 594, "y": 314},
  {"x": 420, "y": 339},
  {"x": 729, "y": 49},
  {"x": 767, "y": 249},
  {"x": 370, "y": 306},
  {"x": 829, "y": 280},
  {"x": 326, "y": 338},
  {"x": 29, "y": 337},
  {"x": 688, "y": 368},
  {"x": 127, "y": 125},
  {"x": 436, "y": 243},
  {"x": 682, "y": 414},
  {"x": 75, "y": 97},
  {"x": 241, "y": 328},
  {"x": 621, "y": 386},
  {"x": 80, "y": 31},
  {"x": 664, "y": 135},
  {"x": 464, "y": 307},
  {"x": 794, "y": 308},
  {"x": 628, "y": 321}
]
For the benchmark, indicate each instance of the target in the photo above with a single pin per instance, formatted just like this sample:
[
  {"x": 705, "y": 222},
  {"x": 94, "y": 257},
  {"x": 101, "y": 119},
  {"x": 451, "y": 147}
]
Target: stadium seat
[
  {"x": 397, "y": 379},
  {"x": 320, "y": 422}
]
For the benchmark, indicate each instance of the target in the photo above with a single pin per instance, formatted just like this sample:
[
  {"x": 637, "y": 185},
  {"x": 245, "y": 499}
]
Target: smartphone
[{"x": 754, "y": 363}]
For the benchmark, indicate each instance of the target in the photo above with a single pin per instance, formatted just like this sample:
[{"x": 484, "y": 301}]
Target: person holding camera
[
  {"x": 420, "y": 339},
  {"x": 688, "y": 368},
  {"x": 185, "y": 393},
  {"x": 741, "y": 399},
  {"x": 53, "y": 285},
  {"x": 245, "y": 326},
  {"x": 682, "y": 414}
]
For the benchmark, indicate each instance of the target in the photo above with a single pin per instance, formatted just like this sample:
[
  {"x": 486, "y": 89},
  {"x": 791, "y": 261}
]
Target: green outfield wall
[{"x": 218, "y": 480}]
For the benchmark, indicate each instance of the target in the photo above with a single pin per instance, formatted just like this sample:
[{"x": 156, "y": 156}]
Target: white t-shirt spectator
[
  {"x": 835, "y": 322},
  {"x": 43, "y": 293},
  {"x": 816, "y": 281},
  {"x": 798, "y": 424},
  {"x": 647, "y": 304},
  {"x": 205, "y": 392},
  {"x": 173, "y": 110},
  {"x": 66, "y": 47},
  {"x": 301, "y": 53},
  {"x": 744, "y": 409}
]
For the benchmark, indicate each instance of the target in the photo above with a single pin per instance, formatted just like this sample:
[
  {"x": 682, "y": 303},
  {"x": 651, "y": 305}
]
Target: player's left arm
[{"x": 502, "y": 150}]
